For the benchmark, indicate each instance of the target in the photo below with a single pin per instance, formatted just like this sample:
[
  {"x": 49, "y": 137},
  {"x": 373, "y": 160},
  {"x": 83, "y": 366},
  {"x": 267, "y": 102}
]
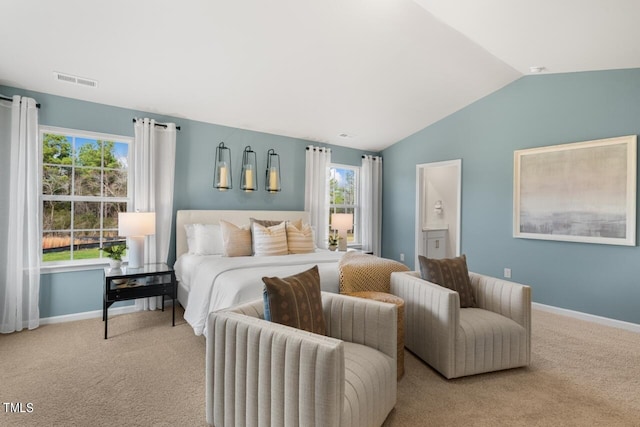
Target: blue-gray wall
[
  {"x": 81, "y": 291},
  {"x": 533, "y": 111}
]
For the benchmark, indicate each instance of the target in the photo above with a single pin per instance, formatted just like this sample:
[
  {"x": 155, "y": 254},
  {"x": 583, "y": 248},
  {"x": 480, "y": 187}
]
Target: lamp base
[
  {"x": 136, "y": 252},
  {"x": 342, "y": 242}
]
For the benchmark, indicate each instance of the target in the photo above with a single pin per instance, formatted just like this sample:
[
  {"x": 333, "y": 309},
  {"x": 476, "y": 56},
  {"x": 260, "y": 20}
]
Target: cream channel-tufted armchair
[
  {"x": 265, "y": 373},
  {"x": 465, "y": 341}
]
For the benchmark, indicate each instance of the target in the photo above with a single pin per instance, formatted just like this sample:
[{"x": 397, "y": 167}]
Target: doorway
[{"x": 438, "y": 207}]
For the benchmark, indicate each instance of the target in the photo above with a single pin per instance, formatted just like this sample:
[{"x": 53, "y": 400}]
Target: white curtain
[
  {"x": 20, "y": 239},
  {"x": 316, "y": 195},
  {"x": 154, "y": 157},
  {"x": 371, "y": 204}
]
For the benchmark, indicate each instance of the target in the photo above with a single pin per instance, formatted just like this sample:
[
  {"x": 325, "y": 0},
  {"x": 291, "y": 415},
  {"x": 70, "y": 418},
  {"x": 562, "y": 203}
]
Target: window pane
[
  {"x": 55, "y": 247},
  {"x": 87, "y": 182},
  {"x": 88, "y": 152},
  {"x": 86, "y": 215},
  {"x": 342, "y": 186},
  {"x": 121, "y": 151},
  {"x": 115, "y": 183},
  {"x": 86, "y": 245},
  {"x": 56, "y": 180},
  {"x": 111, "y": 211},
  {"x": 115, "y": 154},
  {"x": 56, "y": 215},
  {"x": 56, "y": 149}
]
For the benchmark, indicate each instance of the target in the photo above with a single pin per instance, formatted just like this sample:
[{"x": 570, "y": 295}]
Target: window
[
  {"x": 85, "y": 183},
  {"x": 343, "y": 197}
]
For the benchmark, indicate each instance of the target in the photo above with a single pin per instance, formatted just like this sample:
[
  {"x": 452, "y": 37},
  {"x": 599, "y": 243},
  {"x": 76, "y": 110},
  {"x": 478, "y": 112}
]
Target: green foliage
[
  {"x": 345, "y": 192},
  {"x": 56, "y": 149},
  {"x": 333, "y": 239},
  {"x": 115, "y": 251}
]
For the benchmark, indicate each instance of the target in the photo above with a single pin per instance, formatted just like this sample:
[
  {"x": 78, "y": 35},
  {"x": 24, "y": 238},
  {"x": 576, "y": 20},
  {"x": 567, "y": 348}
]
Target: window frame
[
  {"x": 357, "y": 234},
  {"x": 92, "y": 263}
]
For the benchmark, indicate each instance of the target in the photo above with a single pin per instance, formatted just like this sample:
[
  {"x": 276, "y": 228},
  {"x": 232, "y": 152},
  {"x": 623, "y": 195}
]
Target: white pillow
[
  {"x": 207, "y": 239},
  {"x": 269, "y": 240},
  {"x": 191, "y": 238},
  {"x": 236, "y": 240},
  {"x": 300, "y": 239}
]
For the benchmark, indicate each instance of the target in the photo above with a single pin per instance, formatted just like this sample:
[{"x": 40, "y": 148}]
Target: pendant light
[
  {"x": 222, "y": 177},
  {"x": 272, "y": 181},
  {"x": 248, "y": 178}
]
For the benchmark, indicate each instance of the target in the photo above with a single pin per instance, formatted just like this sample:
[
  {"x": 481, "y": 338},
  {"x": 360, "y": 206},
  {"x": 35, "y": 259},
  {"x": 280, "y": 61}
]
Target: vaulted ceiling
[{"x": 357, "y": 73}]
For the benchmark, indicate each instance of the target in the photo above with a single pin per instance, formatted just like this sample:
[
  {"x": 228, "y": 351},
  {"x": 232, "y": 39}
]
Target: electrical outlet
[
  {"x": 507, "y": 273},
  {"x": 401, "y": 257}
]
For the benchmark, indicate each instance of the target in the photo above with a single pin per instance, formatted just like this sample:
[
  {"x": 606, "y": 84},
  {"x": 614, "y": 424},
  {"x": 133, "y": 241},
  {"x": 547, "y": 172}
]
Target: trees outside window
[
  {"x": 344, "y": 198},
  {"x": 85, "y": 184}
]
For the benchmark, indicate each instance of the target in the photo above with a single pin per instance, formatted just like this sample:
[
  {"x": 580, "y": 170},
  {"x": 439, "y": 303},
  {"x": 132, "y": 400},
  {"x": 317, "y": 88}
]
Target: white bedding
[{"x": 216, "y": 282}]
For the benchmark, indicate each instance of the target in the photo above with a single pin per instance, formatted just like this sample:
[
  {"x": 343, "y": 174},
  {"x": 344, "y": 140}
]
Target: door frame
[{"x": 420, "y": 172}]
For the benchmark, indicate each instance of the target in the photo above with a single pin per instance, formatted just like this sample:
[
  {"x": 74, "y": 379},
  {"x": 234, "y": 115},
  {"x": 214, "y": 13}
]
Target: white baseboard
[
  {"x": 620, "y": 324},
  {"x": 93, "y": 314},
  {"x": 86, "y": 315}
]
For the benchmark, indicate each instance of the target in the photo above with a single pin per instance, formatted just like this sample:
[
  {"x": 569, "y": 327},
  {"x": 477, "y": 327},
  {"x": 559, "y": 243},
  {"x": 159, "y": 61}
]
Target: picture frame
[{"x": 577, "y": 192}]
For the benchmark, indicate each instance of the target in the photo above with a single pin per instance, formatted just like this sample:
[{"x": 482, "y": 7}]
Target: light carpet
[{"x": 151, "y": 374}]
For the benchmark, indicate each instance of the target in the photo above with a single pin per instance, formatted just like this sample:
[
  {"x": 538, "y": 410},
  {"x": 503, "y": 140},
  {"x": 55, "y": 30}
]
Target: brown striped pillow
[
  {"x": 450, "y": 273},
  {"x": 269, "y": 240},
  {"x": 295, "y": 301},
  {"x": 300, "y": 238}
]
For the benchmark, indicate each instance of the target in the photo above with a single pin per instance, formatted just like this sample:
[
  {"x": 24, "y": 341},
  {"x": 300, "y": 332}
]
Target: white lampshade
[
  {"x": 136, "y": 225},
  {"x": 341, "y": 221},
  {"x": 132, "y": 224}
]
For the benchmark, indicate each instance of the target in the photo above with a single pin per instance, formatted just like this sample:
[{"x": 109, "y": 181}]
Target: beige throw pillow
[
  {"x": 236, "y": 240},
  {"x": 269, "y": 240},
  {"x": 300, "y": 238}
]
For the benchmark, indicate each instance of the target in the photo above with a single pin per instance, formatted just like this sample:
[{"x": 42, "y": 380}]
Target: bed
[{"x": 212, "y": 282}]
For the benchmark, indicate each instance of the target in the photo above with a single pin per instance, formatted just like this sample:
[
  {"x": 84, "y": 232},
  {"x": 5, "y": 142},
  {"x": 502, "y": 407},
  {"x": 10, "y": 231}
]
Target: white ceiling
[{"x": 377, "y": 70}]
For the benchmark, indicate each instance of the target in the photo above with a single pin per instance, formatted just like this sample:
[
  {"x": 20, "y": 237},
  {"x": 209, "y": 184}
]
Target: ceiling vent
[{"x": 68, "y": 78}]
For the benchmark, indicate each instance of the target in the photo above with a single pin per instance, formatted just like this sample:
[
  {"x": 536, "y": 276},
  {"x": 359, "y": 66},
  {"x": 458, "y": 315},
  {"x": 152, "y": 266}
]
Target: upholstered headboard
[{"x": 236, "y": 217}]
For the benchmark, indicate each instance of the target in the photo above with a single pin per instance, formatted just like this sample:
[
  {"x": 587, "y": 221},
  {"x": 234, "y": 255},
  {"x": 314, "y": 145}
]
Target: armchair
[
  {"x": 264, "y": 373},
  {"x": 458, "y": 342}
]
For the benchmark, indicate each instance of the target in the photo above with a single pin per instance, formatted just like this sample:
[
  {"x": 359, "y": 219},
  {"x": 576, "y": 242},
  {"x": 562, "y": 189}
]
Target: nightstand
[{"x": 150, "y": 280}]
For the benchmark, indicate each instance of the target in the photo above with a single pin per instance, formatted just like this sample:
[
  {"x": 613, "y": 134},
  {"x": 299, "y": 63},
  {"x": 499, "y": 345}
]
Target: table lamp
[
  {"x": 135, "y": 226},
  {"x": 342, "y": 223}
]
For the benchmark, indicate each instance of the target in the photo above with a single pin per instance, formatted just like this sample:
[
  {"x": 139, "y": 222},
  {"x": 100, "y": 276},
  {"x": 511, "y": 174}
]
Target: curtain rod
[
  {"x": 162, "y": 125},
  {"x": 6, "y": 98},
  {"x": 372, "y": 157}
]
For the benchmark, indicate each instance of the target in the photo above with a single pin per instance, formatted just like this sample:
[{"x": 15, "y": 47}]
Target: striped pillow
[
  {"x": 269, "y": 240},
  {"x": 236, "y": 240},
  {"x": 300, "y": 238}
]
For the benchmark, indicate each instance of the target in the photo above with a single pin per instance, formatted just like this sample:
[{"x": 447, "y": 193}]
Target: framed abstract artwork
[{"x": 579, "y": 192}]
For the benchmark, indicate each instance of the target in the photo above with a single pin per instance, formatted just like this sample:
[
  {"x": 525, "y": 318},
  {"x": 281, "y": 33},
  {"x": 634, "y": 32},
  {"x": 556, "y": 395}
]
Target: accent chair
[
  {"x": 264, "y": 373},
  {"x": 494, "y": 335}
]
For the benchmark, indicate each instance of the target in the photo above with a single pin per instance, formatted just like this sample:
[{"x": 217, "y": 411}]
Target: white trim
[
  {"x": 620, "y": 324},
  {"x": 96, "y": 313},
  {"x": 86, "y": 315},
  {"x": 76, "y": 265},
  {"x": 85, "y": 134}
]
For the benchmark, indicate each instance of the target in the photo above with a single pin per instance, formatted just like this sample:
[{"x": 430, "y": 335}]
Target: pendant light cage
[
  {"x": 222, "y": 176},
  {"x": 272, "y": 181},
  {"x": 248, "y": 176}
]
